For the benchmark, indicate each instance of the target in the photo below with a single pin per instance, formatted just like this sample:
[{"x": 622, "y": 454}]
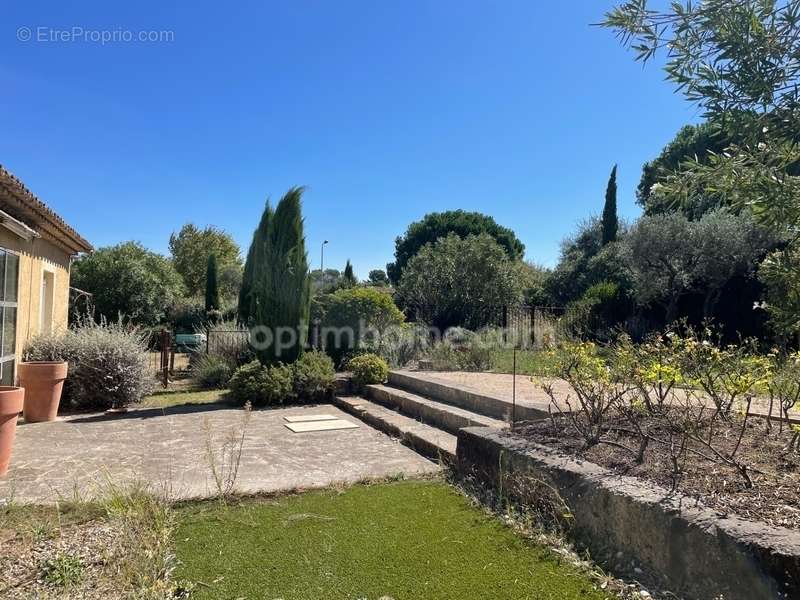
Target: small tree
[
  {"x": 349, "y": 277},
  {"x": 671, "y": 256},
  {"x": 327, "y": 282},
  {"x": 663, "y": 258},
  {"x": 610, "y": 221},
  {"x": 728, "y": 245},
  {"x": 190, "y": 248},
  {"x": 378, "y": 277},
  {"x": 584, "y": 262},
  {"x": 212, "y": 288},
  {"x": 780, "y": 274},
  {"x": 460, "y": 282},
  {"x": 434, "y": 226}
]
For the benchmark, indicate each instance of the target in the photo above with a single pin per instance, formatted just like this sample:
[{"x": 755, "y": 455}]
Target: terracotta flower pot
[
  {"x": 11, "y": 400},
  {"x": 43, "y": 383}
]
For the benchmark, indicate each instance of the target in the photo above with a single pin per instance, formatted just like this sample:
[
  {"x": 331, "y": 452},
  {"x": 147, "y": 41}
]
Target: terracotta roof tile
[{"x": 22, "y": 204}]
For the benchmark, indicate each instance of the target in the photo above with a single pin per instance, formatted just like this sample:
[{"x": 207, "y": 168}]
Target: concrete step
[
  {"x": 438, "y": 414},
  {"x": 464, "y": 397},
  {"x": 428, "y": 441}
]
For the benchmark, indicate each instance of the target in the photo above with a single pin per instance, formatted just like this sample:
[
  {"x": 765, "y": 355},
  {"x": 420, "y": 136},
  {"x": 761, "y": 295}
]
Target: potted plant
[
  {"x": 11, "y": 400},
  {"x": 43, "y": 382}
]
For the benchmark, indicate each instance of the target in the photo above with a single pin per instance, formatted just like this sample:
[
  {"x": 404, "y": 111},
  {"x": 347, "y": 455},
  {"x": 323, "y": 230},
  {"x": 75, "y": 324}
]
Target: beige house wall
[{"x": 38, "y": 256}]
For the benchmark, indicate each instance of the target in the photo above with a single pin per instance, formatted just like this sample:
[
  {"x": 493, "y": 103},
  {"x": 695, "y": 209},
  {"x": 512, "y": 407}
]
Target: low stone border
[{"x": 633, "y": 525}]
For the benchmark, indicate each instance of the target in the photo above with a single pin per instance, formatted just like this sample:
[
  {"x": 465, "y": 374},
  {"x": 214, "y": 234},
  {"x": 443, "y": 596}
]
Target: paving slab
[
  {"x": 167, "y": 450},
  {"x": 309, "y": 418},
  {"x": 317, "y": 425}
]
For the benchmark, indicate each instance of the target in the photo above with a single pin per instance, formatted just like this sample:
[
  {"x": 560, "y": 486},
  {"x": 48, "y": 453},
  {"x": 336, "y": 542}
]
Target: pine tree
[
  {"x": 280, "y": 292},
  {"x": 255, "y": 257},
  {"x": 349, "y": 278},
  {"x": 212, "y": 287},
  {"x": 610, "y": 221}
]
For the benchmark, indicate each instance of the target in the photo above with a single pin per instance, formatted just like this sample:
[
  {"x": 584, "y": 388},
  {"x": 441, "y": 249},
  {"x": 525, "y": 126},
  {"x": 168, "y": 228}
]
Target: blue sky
[{"x": 385, "y": 110}]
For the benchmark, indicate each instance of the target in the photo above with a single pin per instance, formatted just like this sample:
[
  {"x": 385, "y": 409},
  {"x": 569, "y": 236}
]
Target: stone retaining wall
[{"x": 633, "y": 527}]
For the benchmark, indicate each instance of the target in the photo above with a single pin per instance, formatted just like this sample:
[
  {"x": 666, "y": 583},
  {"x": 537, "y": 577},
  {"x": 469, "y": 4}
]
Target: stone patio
[
  {"x": 496, "y": 385},
  {"x": 166, "y": 450},
  {"x": 528, "y": 393}
]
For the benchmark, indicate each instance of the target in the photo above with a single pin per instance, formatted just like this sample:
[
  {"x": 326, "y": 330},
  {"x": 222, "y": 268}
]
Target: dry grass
[{"x": 119, "y": 547}]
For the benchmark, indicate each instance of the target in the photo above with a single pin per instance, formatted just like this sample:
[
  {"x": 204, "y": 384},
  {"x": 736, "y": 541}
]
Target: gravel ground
[{"x": 25, "y": 559}]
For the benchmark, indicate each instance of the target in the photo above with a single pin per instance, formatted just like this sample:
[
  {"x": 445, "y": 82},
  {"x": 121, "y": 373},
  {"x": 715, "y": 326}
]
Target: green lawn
[
  {"x": 404, "y": 540},
  {"x": 529, "y": 362},
  {"x": 165, "y": 400}
]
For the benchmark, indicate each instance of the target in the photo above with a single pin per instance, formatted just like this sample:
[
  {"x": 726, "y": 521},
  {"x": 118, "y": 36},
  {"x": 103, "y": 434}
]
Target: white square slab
[
  {"x": 320, "y": 426},
  {"x": 310, "y": 418}
]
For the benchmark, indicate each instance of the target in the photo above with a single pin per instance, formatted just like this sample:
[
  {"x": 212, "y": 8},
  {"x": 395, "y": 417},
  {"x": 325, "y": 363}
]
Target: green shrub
[
  {"x": 444, "y": 356},
  {"x": 352, "y": 317},
  {"x": 108, "y": 364},
  {"x": 211, "y": 371},
  {"x": 595, "y": 314},
  {"x": 464, "y": 350},
  {"x": 314, "y": 376},
  {"x": 368, "y": 369},
  {"x": 402, "y": 344},
  {"x": 187, "y": 315},
  {"x": 262, "y": 385}
]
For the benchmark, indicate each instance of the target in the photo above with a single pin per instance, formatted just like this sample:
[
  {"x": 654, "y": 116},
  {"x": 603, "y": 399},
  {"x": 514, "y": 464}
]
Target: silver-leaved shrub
[{"x": 108, "y": 363}]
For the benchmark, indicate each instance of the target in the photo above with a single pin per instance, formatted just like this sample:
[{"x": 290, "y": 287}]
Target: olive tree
[
  {"x": 663, "y": 260},
  {"x": 780, "y": 275},
  {"x": 728, "y": 245},
  {"x": 670, "y": 256}
]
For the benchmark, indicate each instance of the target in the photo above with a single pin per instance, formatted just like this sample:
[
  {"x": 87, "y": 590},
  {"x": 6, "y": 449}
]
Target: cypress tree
[
  {"x": 255, "y": 257},
  {"x": 610, "y": 221},
  {"x": 281, "y": 289},
  {"x": 349, "y": 277},
  {"x": 212, "y": 287}
]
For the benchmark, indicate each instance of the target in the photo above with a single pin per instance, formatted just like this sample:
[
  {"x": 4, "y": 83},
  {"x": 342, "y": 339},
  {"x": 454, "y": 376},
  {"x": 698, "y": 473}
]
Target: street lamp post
[
  {"x": 319, "y": 342},
  {"x": 322, "y": 261}
]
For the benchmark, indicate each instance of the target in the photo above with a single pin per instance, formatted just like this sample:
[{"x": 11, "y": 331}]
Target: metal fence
[
  {"x": 224, "y": 341},
  {"x": 161, "y": 355},
  {"x": 534, "y": 327}
]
